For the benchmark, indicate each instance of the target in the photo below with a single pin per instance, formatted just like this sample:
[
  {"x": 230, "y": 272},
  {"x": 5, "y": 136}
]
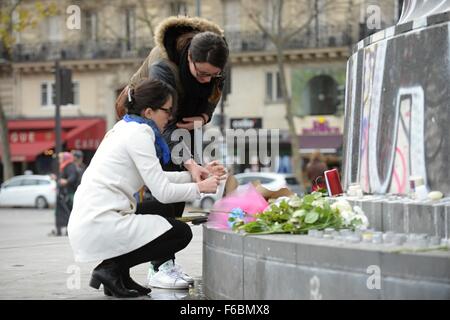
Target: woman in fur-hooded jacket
[{"x": 190, "y": 54}]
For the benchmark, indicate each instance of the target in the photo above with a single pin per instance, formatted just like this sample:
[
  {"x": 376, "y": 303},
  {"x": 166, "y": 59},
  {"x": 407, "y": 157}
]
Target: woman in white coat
[{"x": 103, "y": 224}]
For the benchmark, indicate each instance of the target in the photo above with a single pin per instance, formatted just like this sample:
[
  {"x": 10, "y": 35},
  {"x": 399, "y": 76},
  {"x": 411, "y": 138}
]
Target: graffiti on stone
[{"x": 397, "y": 113}]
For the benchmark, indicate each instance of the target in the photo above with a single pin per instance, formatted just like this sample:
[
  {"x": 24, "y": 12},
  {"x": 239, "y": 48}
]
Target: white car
[
  {"x": 37, "y": 191},
  {"x": 269, "y": 180}
]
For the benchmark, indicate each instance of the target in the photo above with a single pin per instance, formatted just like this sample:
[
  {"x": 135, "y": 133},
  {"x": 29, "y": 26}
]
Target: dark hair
[
  {"x": 149, "y": 93},
  {"x": 209, "y": 47}
]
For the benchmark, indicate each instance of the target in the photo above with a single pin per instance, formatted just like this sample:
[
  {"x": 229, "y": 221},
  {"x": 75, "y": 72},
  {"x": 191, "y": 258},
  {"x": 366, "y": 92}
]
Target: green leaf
[
  {"x": 289, "y": 227},
  {"x": 299, "y": 213},
  {"x": 253, "y": 227},
  {"x": 317, "y": 195},
  {"x": 295, "y": 202},
  {"x": 311, "y": 217},
  {"x": 308, "y": 199},
  {"x": 284, "y": 205}
]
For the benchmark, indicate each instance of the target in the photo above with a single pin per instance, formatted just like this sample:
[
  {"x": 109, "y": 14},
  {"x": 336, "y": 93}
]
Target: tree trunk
[
  {"x": 295, "y": 145},
  {"x": 8, "y": 171}
]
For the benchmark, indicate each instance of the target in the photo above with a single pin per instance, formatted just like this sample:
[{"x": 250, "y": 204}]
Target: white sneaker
[
  {"x": 182, "y": 274},
  {"x": 168, "y": 277},
  {"x": 151, "y": 272}
]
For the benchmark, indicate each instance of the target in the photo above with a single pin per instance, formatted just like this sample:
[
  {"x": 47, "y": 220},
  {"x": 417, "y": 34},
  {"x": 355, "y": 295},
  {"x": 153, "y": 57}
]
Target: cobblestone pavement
[{"x": 34, "y": 265}]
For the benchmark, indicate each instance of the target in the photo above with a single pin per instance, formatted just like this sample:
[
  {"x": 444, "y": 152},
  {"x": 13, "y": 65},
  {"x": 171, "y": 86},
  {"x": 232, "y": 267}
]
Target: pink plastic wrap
[{"x": 247, "y": 198}]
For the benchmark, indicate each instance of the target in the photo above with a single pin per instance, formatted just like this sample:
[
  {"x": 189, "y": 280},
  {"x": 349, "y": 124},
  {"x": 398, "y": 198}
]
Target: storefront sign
[
  {"x": 89, "y": 144},
  {"x": 321, "y": 127},
  {"x": 31, "y": 136},
  {"x": 246, "y": 123}
]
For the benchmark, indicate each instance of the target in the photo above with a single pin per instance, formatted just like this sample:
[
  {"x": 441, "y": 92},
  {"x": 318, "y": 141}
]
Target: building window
[
  {"x": 91, "y": 25},
  {"x": 232, "y": 15},
  {"x": 44, "y": 94},
  {"x": 48, "y": 93},
  {"x": 130, "y": 27},
  {"x": 323, "y": 95},
  {"x": 53, "y": 28},
  {"x": 76, "y": 93},
  {"x": 273, "y": 88},
  {"x": 178, "y": 8}
]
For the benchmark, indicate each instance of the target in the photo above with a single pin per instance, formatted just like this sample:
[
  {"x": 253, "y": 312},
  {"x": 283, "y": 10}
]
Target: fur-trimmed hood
[{"x": 168, "y": 31}]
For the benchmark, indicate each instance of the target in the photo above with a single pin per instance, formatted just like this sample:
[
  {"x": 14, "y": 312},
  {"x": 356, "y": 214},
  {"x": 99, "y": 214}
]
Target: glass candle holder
[{"x": 377, "y": 237}]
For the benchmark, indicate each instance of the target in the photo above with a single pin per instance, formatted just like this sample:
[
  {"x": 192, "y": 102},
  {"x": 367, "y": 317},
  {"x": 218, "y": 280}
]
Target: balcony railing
[
  {"x": 326, "y": 36},
  {"x": 81, "y": 50}
]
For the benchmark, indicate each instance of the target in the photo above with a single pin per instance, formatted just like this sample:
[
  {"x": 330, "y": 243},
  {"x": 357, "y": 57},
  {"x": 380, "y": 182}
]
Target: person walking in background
[
  {"x": 190, "y": 55},
  {"x": 67, "y": 185},
  {"x": 104, "y": 224},
  {"x": 315, "y": 170},
  {"x": 78, "y": 160}
]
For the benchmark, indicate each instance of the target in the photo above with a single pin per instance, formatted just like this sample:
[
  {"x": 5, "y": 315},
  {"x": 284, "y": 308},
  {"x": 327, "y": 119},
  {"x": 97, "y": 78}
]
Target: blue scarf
[{"x": 162, "y": 149}]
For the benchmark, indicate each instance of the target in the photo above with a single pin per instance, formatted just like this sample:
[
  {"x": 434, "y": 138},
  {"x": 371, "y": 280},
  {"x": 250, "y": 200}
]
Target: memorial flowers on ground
[{"x": 297, "y": 215}]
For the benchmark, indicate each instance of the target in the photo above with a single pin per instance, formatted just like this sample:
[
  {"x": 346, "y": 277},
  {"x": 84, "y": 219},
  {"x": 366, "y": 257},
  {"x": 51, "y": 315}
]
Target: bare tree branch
[
  {"x": 256, "y": 19},
  {"x": 148, "y": 20},
  {"x": 328, "y": 5}
]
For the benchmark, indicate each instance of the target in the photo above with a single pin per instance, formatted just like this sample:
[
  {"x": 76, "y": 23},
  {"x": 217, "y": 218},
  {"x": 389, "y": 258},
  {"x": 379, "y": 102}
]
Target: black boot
[
  {"x": 130, "y": 284},
  {"x": 108, "y": 273}
]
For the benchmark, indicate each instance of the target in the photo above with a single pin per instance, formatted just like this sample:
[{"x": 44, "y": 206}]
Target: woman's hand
[
  {"x": 215, "y": 168},
  {"x": 191, "y": 122},
  {"x": 209, "y": 185},
  {"x": 198, "y": 173}
]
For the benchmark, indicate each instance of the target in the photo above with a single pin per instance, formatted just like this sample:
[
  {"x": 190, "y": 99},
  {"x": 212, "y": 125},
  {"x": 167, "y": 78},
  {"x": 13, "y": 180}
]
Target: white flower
[
  {"x": 280, "y": 199},
  {"x": 293, "y": 220},
  {"x": 358, "y": 210},
  {"x": 295, "y": 201},
  {"x": 361, "y": 221},
  {"x": 347, "y": 216},
  {"x": 342, "y": 205},
  {"x": 318, "y": 203}
]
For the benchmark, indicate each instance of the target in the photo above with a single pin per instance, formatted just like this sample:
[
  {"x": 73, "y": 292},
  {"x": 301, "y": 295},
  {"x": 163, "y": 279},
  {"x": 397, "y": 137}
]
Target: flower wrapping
[{"x": 242, "y": 204}]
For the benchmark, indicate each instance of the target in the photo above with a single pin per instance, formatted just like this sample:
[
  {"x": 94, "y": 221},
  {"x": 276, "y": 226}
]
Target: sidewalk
[{"x": 36, "y": 266}]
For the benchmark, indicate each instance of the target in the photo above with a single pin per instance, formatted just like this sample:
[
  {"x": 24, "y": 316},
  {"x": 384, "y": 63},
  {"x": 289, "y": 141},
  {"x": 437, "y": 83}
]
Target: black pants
[
  {"x": 159, "y": 250},
  {"x": 165, "y": 246},
  {"x": 64, "y": 204},
  {"x": 167, "y": 210}
]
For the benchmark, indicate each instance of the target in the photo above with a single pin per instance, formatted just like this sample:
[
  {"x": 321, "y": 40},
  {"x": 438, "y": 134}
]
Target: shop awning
[
  {"x": 30, "y": 138},
  {"x": 28, "y": 152},
  {"x": 87, "y": 135}
]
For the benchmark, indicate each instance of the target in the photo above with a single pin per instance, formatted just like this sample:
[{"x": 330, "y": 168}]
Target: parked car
[
  {"x": 37, "y": 191},
  {"x": 269, "y": 180}
]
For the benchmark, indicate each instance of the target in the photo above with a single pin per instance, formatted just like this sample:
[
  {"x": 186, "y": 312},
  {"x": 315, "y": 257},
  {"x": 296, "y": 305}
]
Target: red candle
[{"x": 333, "y": 182}]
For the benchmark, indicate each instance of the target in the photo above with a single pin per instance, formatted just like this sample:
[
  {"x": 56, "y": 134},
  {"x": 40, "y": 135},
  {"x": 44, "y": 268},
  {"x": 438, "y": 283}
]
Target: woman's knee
[{"x": 185, "y": 231}]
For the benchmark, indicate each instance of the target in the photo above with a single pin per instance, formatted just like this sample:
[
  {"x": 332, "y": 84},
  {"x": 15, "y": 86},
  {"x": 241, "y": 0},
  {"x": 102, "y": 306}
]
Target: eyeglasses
[
  {"x": 202, "y": 74},
  {"x": 167, "y": 111}
]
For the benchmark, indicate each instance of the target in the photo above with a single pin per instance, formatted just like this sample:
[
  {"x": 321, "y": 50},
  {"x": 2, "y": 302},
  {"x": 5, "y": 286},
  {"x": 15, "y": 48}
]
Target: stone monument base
[{"x": 272, "y": 267}]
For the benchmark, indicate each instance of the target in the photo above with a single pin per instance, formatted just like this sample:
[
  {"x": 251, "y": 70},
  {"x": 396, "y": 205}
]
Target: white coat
[{"x": 103, "y": 223}]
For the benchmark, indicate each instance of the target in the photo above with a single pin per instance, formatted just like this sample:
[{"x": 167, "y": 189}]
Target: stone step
[
  {"x": 396, "y": 214},
  {"x": 237, "y": 266}
]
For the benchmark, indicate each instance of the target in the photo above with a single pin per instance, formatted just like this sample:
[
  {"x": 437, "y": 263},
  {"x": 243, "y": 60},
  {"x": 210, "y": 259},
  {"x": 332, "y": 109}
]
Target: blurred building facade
[{"x": 115, "y": 36}]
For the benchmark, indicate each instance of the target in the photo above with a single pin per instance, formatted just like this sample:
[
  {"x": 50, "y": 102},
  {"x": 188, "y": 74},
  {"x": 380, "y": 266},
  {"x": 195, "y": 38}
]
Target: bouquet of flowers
[
  {"x": 241, "y": 206},
  {"x": 297, "y": 215}
]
